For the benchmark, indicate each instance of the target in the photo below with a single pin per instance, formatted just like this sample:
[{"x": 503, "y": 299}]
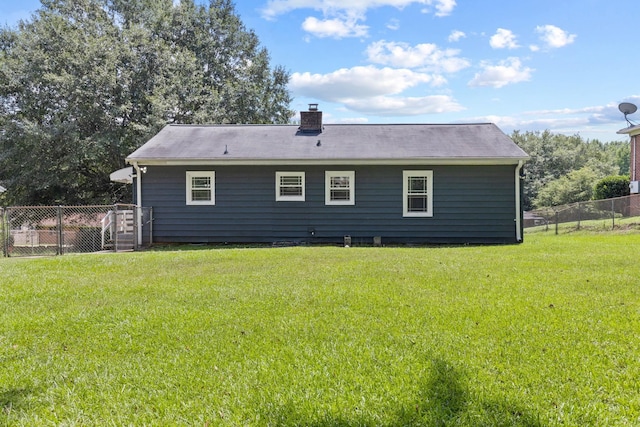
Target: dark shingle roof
[{"x": 360, "y": 143}]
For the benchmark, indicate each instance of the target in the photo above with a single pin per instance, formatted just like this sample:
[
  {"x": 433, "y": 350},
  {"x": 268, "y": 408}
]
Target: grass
[{"x": 543, "y": 333}]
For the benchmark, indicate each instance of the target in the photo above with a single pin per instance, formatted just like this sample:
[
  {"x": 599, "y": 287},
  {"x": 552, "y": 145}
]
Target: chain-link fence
[
  {"x": 57, "y": 230},
  {"x": 606, "y": 213}
]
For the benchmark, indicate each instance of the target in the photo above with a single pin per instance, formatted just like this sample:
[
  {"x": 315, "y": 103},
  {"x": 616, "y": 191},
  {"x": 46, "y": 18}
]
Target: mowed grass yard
[{"x": 539, "y": 334}]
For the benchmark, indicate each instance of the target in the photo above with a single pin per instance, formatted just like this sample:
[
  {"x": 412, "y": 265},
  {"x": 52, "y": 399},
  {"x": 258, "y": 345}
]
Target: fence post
[
  {"x": 557, "y": 219},
  {"x": 5, "y": 238},
  {"x": 115, "y": 216},
  {"x": 136, "y": 218},
  {"x": 613, "y": 214},
  {"x": 60, "y": 234},
  {"x": 579, "y": 217},
  {"x": 150, "y": 226}
]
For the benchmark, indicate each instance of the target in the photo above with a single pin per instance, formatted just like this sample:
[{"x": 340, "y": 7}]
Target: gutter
[
  {"x": 633, "y": 158},
  {"x": 448, "y": 161},
  {"x": 518, "y": 219}
]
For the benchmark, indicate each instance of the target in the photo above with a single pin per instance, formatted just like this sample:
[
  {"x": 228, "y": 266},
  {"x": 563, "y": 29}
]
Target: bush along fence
[
  {"x": 58, "y": 230},
  {"x": 605, "y": 213}
]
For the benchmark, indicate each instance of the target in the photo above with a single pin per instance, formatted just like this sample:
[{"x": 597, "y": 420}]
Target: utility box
[{"x": 634, "y": 187}]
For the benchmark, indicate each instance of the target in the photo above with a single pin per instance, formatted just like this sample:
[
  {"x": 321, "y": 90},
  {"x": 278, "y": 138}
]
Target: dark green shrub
[{"x": 611, "y": 186}]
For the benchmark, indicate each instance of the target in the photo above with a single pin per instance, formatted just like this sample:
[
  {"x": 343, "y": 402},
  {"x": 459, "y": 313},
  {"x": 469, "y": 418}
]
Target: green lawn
[{"x": 537, "y": 334}]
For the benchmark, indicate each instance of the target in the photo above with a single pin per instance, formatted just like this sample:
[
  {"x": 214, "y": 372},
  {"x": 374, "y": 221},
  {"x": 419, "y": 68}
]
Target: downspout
[
  {"x": 138, "y": 200},
  {"x": 633, "y": 158},
  {"x": 518, "y": 204}
]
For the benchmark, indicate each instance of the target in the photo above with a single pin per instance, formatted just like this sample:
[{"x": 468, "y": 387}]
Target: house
[{"x": 320, "y": 183}]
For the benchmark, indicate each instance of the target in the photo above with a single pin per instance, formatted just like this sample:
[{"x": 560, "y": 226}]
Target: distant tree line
[
  {"x": 83, "y": 83},
  {"x": 566, "y": 169}
]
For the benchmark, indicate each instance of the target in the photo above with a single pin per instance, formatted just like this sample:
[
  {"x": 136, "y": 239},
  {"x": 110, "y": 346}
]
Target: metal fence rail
[
  {"x": 603, "y": 213},
  {"x": 58, "y": 230}
]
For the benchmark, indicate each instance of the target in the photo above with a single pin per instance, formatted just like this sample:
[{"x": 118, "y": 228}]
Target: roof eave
[
  {"x": 267, "y": 162},
  {"x": 631, "y": 130}
]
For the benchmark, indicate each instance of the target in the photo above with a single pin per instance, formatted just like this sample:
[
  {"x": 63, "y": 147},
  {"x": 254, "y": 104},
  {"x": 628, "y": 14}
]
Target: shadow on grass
[
  {"x": 11, "y": 400},
  {"x": 442, "y": 400}
]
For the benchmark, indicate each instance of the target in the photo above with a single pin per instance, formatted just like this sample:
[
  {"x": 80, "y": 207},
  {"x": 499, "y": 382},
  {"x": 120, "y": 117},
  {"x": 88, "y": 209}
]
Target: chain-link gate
[{"x": 57, "y": 230}]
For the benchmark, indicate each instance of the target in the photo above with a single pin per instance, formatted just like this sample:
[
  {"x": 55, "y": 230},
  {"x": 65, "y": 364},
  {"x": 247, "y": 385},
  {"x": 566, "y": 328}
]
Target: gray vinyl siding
[{"x": 474, "y": 204}]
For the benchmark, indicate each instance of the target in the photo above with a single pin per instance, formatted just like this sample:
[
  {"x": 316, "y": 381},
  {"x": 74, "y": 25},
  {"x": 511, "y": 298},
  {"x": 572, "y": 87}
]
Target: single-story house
[{"x": 320, "y": 183}]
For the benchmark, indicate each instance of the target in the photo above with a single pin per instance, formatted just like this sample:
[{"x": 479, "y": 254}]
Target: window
[
  {"x": 201, "y": 188},
  {"x": 417, "y": 191},
  {"x": 340, "y": 187},
  {"x": 290, "y": 186}
]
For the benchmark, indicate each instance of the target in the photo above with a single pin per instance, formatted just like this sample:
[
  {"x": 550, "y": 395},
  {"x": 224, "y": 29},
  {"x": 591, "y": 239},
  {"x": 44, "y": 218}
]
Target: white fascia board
[{"x": 302, "y": 162}]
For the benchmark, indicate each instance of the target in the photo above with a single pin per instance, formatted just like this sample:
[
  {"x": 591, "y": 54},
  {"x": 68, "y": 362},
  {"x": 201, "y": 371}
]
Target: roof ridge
[{"x": 325, "y": 124}]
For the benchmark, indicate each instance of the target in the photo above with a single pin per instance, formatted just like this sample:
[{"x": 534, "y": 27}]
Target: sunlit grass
[{"x": 543, "y": 333}]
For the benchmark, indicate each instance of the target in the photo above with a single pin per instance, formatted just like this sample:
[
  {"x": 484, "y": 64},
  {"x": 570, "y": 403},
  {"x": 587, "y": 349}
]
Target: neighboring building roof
[
  {"x": 631, "y": 130},
  {"x": 123, "y": 176},
  {"x": 384, "y": 143}
]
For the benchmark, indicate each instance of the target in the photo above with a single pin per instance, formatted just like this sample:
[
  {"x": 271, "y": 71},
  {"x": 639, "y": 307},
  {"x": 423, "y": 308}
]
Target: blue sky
[{"x": 528, "y": 65}]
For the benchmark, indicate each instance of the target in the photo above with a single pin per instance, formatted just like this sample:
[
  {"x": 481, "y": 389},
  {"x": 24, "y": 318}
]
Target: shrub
[{"x": 611, "y": 186}]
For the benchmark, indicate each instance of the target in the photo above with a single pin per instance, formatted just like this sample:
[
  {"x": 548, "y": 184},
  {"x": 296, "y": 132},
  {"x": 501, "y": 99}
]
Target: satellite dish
[{"x": 627, "y": 108}]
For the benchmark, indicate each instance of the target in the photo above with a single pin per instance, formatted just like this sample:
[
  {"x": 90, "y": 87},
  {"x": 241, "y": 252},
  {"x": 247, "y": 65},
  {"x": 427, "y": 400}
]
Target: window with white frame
[
  {"x": 290, "y": 186},
  {"x": 340, "y": 187},
  {"x": 201, "y": 188},
  {"x": 417, "y": 193}
]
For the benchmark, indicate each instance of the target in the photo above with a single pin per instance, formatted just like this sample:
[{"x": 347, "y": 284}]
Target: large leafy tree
[
  {"x": 576, "y": 186},
  {"x": 85, "y": 82}
]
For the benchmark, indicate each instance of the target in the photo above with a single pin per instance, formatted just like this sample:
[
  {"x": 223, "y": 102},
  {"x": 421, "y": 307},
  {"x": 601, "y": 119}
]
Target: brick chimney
[{"x": 311, "y": 121}]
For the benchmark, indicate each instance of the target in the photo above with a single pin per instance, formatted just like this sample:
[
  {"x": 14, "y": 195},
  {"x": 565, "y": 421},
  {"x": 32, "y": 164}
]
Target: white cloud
[
  {"x": 330, "y": 7},
  {"x": 403, "y": 106},
  {"x": 506, "y": 72},
  {"x": 393, "y": 24},
  {"x": 503, "y": 39},
  {"x": 443, "y": 7},
  {"x": 569, "y": 121},
  {"x": 335, "y": 28},
  {"x": 342, "y": 18},
  {"x": 456, "y": 35},
  {"x": 358, "y": 82},
  {"x": 371, "y": 90},
  {"x": 426, "y": 55},
  {"x": 554, "y": 37}
]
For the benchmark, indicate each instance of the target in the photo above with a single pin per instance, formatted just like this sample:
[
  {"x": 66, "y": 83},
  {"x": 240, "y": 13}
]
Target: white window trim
[
  {"x": 194, "y": 174},
  {"x": 280, "y": 198},
  {"x": 352, "y": 187},
  {"x": 405, "y": 192}
]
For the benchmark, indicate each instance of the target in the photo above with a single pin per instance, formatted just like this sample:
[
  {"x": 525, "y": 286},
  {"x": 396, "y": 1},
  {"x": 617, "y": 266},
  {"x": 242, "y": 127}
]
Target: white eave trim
[{"x": 268, "y": 162}]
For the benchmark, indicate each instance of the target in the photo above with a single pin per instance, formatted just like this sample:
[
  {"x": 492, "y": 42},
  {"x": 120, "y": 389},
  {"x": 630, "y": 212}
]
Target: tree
[
  {"x": 620, "y": 154},
  {"x": 576, "y": 186},
  {"x": 85, "y": 82},
  {"x": 611, "y": 186},
  {"x": 554, "y": 156}
]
